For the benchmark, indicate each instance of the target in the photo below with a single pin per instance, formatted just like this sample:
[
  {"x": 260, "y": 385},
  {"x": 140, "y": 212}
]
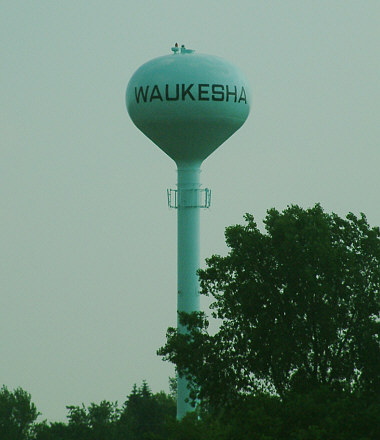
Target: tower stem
[{"x": 188, "y": 230}]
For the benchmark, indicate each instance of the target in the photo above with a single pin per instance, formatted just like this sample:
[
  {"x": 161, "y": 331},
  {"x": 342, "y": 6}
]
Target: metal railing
[{"x": 189, "y": 198}]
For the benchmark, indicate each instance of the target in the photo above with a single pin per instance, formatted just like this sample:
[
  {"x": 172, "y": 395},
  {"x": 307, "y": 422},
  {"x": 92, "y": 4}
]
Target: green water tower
[{"x": 188, "y": 104}]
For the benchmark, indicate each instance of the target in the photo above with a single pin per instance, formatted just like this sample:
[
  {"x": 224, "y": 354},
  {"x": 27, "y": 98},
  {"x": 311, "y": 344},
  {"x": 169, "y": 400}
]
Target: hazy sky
[{"x": 88, "y": 244}]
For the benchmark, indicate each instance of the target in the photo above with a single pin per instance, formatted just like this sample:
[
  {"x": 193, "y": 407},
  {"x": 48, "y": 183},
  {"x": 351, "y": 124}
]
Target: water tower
[{"x": 188, "y": 104}]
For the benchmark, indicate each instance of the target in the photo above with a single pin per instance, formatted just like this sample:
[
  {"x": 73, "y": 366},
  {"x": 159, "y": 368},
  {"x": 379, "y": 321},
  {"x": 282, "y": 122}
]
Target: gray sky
[{"x": 88, "y": 244}]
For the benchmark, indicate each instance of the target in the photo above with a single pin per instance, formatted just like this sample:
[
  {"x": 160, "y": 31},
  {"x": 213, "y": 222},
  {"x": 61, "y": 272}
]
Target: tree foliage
[
  {"x": 145, "y": 413},
  {"x": 296, "y": 355},
  {"x": 317, "y": 414},
  {"x": 143, "y": 416},
  {"x": 299, "y": 307},
  {"x": 17, "y": 414}
]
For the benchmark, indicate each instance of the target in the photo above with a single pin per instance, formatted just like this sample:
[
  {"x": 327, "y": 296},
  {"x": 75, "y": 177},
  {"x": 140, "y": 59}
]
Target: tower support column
[
  {"x": 188, "y": 222},
  {"x": 188, "y": 198}
]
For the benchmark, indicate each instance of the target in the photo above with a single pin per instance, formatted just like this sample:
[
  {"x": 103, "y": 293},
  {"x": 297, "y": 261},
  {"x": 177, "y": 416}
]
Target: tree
[
  {"x": 52, "y": 431},
  {"x": 102, "y": 420},
  {"x": 316, "y": 414},
  {"x": 17, "y": 414},
  {"x": 96, "y": 422},
  {"x": 145, "y": 415},
  {"x": 299, "y": 307},
  {"x": 79, "y": 424}
]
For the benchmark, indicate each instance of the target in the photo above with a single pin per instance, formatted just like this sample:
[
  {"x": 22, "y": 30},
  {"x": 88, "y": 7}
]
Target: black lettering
[
  {"x": 168, "y": 98},
  {"x": 202, "y": 92},
  {"x": 243, "y": 96},
  {"x": 228, "y": 93},
  {"x": 187, "y": 92},
  {"x": 141, "y": 93},
  {"x": 217, "y": 95},
  {"x": 155, "y": 94}
]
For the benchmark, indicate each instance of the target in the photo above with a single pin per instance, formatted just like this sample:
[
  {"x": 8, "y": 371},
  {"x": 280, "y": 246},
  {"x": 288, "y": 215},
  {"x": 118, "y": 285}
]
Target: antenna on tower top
[
  {"x": 175, "y": 49},
  {"x": 184, "y": 50}
]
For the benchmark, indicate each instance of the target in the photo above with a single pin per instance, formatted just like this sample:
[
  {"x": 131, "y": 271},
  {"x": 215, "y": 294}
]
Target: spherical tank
[{"x": 188, "y": 104}]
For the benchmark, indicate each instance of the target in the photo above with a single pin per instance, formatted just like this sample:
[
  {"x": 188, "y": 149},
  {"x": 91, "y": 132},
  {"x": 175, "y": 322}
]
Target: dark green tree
[
  {"x": 78, "y": 422},
  {"x": 299, "y": 307},
  {"x": 145, "y": 415},
  {"x": 52, "y": 431},
  {"x": 17, "y": 414},
  {"x": 102, "y": 419},
  {"x": 96, "y": 422},
  {"x": 316, "y": 414}
]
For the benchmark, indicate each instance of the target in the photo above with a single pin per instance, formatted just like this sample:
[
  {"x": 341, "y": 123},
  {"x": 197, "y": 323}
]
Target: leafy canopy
[
  {"x": 299, "y": 307},
  {"x": 17, "y": 414}
]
